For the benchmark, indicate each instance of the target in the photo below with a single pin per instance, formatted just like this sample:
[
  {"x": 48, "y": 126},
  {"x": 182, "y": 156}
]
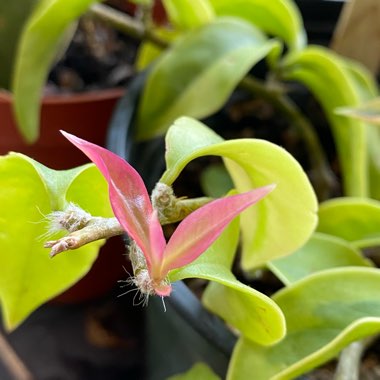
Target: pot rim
[{"x": 70, "y": 98}]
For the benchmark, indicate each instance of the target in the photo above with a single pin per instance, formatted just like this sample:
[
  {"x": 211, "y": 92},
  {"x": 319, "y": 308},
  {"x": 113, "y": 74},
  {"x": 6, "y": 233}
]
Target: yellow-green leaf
[
  {"x": 324, "y": 313},
  {"x": 280, "y": 18},
  {"x": 40, "y": 41},
  {"x": 198, "y": 73},
  {"x": 188, "y": 14},
  {"x": 29, "y": 192}
]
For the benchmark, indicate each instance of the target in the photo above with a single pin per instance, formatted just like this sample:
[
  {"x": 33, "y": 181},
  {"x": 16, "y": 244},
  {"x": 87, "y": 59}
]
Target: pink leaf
[
  {"x": 158, "y": 244},
  {"x": 202, "y": 227},
  {"x": 128, "y": 196}
]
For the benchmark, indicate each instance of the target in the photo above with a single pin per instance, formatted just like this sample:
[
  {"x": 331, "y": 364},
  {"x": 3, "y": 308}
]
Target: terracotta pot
[
  {"x": 86, "y": 115},
  {"x": 158, "y": 14}
]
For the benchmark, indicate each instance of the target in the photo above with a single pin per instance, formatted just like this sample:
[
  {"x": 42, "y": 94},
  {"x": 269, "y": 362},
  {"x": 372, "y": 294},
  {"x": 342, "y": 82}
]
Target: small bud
[
  {"x": 171, "y": 209},
  {"x": 163, "y": 200}
]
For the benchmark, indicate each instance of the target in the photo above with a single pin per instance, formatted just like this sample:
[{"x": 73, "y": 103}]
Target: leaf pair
[{"x": 132, "y": 207}]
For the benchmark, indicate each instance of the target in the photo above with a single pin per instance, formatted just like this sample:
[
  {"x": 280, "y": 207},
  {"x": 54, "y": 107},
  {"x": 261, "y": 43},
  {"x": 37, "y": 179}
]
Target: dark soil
[
  {"x": 101, "y": 339},
  {"x": 98, "y": 57}
]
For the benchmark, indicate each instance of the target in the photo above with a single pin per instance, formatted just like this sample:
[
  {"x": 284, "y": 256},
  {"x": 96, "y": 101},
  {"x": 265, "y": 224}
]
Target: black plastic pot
[
  {"x": 185, "y": 333},
  {"x": 320, "y": 18}
]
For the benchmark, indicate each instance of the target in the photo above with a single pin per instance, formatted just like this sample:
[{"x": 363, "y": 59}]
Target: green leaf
[
  {"x": 40, "y": 42},
  {"x": 254, "y": 314},
  {"x": 199, "y": 371},
  {"x": 368, "y": 111},
  {"x": 288, "y": 212},
  {"x": 30, "y": 191},
  {"x": 332, "y": 83},
  {"x": 13, "y": 15},
  {"x": 366, "y": 86},
  {"x": 148, "y": 52},
  {"x": 215, "y": 181},
  {"x": 320, "y": 252},
  {"x": 280, "y": 18},
  {"x": 188, "y": 14},
  {"x": 198, "y": 73},
  {"x": 142, "y": 2},
  {"x": 324, "y": 313},
  {"x": 356, "y": 220}
]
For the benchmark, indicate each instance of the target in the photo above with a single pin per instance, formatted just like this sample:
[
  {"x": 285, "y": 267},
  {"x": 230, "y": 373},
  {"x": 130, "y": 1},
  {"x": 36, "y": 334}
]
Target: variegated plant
[{"x": 329, "y": 297}]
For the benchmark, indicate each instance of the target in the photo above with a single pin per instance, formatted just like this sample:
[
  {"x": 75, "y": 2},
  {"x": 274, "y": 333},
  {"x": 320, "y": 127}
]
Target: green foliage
[
  {"x": 252, "y": 163},
  {"x": 320, "y": 252},
  {"x": 354, "y": 219},
  {"x": 280, "y": 18},
  {"x": 366, "y": 88},
  {"x": 198, "y": 73},
  {"x": 12, "y": 18},
  {"x": 149, "y": 52},
  {"x": 40, "y": 42},
  {"x": 326, "y": 75},
  {"x": 324, "y": 312},
  {"x": 142, "y": 2},
  {"x": 188, "y": 14},
  {"x": 199, "y": 371},
  {"x": 255, "y": 315},
  {"x": 29, "y": 192},
  {"x": 368, "y": 111},
  {"x": 215, "y": 181}
]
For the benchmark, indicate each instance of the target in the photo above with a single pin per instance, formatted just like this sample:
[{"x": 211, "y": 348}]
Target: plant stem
[
  {"x": 84, "y": 228},
  {"x": 172, "y": 209},
  {"x": 324, "y": 180},
  {"x": 96, "y": 229},
  {"x": 350, "y": 359},
  {"x": 126, "y": 24}
]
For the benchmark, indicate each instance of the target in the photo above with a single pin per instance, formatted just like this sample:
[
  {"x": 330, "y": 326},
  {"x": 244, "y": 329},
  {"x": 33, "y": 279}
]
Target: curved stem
[
  {"x": 324, "y": 180},
  {"x": 126, "y": 24},
  {"x": 350, "y": 359}
]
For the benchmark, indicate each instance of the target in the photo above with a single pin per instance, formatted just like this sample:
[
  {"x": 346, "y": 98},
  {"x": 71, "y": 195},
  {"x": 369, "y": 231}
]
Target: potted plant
[{"x": 328, "y": 297}]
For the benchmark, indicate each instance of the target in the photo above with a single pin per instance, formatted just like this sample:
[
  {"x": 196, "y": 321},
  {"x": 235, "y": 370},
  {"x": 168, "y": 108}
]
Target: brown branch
[
  {"x": 84, "y": 228},
  {"x": 98, "y": 228}
]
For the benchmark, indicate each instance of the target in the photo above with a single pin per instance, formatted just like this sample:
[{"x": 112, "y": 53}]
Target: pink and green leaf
[
  {"x": 202, "y": 227},
  {"x": 157, "y": 242},
  {"x": 128, "y": 195}
]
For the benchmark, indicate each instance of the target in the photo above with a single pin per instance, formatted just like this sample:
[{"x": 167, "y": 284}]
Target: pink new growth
[{"x": 132, "y": 207}]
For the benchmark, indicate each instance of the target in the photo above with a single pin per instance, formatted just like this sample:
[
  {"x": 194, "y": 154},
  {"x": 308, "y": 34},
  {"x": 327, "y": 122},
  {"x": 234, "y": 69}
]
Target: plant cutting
[{"x": 328, "y": 297}]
